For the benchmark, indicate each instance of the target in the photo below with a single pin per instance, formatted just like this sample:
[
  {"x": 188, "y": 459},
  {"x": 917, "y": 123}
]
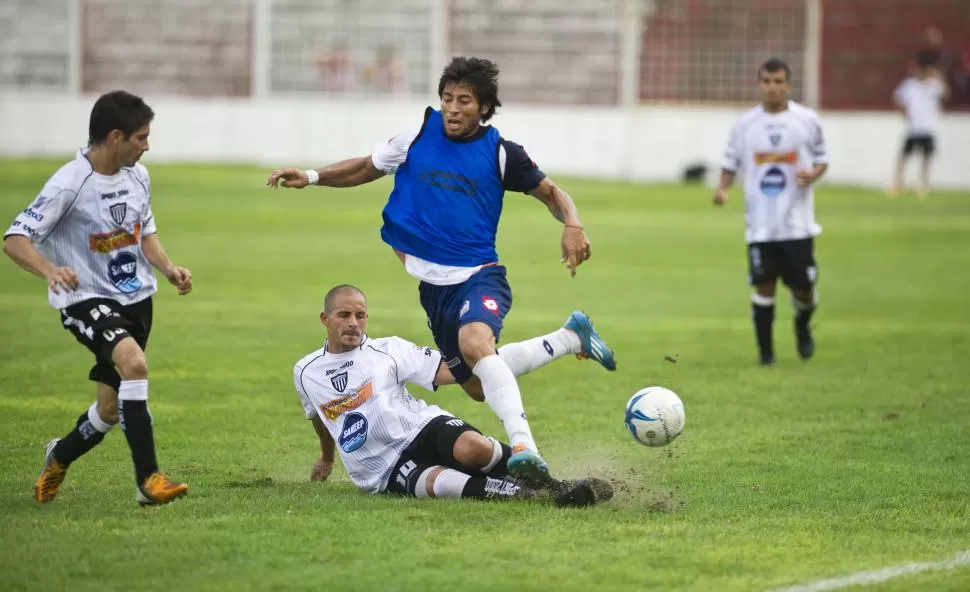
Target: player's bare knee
[
  {"x": 476, "y": 341},
  {"x": 130, "y": 360},
  {"x": 766, "y": 289},
  {"x": 473, "y": 450}
]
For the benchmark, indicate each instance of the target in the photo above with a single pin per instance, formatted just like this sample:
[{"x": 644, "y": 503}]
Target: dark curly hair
[{"x": 480, "y": 75}]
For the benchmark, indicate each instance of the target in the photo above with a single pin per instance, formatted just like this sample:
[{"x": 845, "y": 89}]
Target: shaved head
[{"x": 331, "y": 296}]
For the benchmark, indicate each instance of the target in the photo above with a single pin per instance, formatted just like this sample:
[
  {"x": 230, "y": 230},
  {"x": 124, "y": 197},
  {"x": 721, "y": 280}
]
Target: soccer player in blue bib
[{"x": 450, "y": 177}]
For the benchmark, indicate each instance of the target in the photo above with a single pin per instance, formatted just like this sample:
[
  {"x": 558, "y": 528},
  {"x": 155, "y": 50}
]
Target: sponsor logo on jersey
[
  {"x": 450, "y": 181},
  {"x": 30, "y": 213},
  {"x": 18, "y": 224},
  {"x": 123, "y": 273},
  {"x": 338, "y": 407},
  {"x": 489, "y": 303},
  {"x": 118, "y": 212},
  {"x": 353, "y": 433},
  {"x": 773, "y": 182},
  {"x": 342, "y": 366},
  {"x": 464, "y": 308},
  {"x": 105, "y": 242},
  {"x": 115, "y": 194},
  {"x": 790, "y": 157}
]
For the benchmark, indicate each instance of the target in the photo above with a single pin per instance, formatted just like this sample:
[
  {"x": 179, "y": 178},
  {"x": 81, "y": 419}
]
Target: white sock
[
  {"x": 133, "y": 390},
  {"x": 528, "y": 356},
  {"x": 95, "y": 418},
  {"x": 449, "y": 483},
  {"x": 502, "y": 395}
]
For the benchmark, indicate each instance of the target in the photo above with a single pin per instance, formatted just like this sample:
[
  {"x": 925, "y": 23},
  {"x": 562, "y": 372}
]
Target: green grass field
[{"x": 856, "y": 460}]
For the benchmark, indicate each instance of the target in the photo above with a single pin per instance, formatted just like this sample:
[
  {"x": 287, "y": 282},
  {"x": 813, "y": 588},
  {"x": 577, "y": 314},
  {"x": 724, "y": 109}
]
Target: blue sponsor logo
[
  {"x": 353, "y": 434},
  {"x": 35, "y": 215},
  {"x": 123, "y": 272},
  {"x": 773, "y": 182}
]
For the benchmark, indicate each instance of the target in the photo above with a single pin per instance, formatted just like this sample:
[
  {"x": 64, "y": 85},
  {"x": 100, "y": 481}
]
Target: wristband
[{"x": 312, "y": 176}]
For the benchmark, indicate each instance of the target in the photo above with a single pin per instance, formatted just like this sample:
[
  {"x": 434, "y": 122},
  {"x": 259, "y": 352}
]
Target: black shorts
[
  {"x": 434, "y": 446},
  {"x": 793, "y": 261},
  {"x": 924, "y": 144},
  {"x": 100, "y": 323}
]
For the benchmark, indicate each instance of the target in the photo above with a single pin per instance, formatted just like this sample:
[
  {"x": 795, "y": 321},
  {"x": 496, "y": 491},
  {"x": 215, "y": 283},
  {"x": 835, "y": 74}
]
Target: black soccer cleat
[
  {"x": 767, "y": 360},
  {"x": 584, "y": 492},
  {"x": 803, "y": 337}
]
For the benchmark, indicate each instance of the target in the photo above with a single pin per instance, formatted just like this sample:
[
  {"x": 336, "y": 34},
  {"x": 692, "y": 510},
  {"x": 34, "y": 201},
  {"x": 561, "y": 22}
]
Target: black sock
[
  {"x": 486, "y": 488},
  {"x": 82, "y": 438},
  {"x": 764, "y": 317},
  {"x": 804, "y": 316},
  {"x": 136, "y": 422}
]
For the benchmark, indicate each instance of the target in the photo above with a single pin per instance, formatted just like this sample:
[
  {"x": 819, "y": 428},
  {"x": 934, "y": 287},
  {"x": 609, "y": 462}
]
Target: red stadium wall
[{"x": 869, "y": 45}]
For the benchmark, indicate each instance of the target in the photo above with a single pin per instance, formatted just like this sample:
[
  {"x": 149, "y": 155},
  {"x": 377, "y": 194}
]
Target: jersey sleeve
[
  {"x": 308, "y": 410},
  {"x": 148, "y": 218},
  {"x": 899, "y": 94},
  {"x": 416, "y": 364},
  {"x": 816, "y": 143},
  {"x": 735, "y": 148},
  {"x": 392, "y": 153},
  {"x": 38, "y": 219},
  {"x": 519, "y": 171}
]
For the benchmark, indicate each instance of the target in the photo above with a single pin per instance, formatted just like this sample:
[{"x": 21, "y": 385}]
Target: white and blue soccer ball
[{"x": 655, "y": 416}]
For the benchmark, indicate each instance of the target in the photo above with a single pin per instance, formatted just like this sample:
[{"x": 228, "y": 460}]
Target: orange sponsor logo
[
  {"x": 106, "y": 242},
  {"x": 337, "y": 407},
  {"x": 776, "y": 157}
]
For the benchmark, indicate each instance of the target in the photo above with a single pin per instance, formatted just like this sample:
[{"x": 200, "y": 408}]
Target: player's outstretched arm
[
  {"x": 179, "y": 277},
  {"x": 346, "y": 173},
  {"x": 323, "y": 466},
  {"x": 575, "y": 245},
  {"x": 721, "y": 193},
  {"x": 25, "y": 254}
]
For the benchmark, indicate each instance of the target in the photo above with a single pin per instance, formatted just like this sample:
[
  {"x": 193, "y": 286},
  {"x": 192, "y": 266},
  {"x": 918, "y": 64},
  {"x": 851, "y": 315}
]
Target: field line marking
[{"x": 880, "y": 575}]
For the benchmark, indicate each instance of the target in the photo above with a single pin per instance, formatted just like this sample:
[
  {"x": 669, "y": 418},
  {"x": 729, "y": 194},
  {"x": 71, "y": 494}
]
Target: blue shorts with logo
[{"x": 485, "y": 297}]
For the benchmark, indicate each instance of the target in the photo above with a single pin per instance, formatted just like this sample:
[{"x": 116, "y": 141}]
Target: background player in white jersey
[
  {"x": 450, "y": 179},
  {"x": 91, "y": 235},
  {"x": 353, "y": 390},
  {"x": 920, "y": 98},
  {"x": 781, "y": 148}
]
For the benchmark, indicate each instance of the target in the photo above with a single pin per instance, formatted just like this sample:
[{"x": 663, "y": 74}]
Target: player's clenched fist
[{"x": 63, "y": 277}]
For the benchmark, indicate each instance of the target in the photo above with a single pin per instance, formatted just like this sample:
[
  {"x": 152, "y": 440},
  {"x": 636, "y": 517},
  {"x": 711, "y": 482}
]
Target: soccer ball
[{"x": 655, "y": 416}]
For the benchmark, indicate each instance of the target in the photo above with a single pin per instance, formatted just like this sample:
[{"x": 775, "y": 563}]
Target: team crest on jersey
[
  {"x": 339, "y": 381},
  {"x": 337, "y": 407},
  {"x": 775, "y": 138},
  {"x": 118, "y": 212}
]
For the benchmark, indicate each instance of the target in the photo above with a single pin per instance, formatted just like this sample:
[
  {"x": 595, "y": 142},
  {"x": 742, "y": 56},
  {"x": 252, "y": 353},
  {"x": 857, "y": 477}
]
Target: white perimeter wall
[{"x": 641, "y": 143}]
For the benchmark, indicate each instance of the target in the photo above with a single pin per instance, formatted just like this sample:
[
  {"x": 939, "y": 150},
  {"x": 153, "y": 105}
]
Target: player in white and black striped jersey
[
  {"x": 91, "y": 235},
  {"x": 353, "y": 391},
  {"x": 781, "y": 148}
]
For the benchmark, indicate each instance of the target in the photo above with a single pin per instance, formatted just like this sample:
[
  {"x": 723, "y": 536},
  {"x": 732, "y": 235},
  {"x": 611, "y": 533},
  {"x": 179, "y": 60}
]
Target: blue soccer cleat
[
  {"x": 528, "y": 466},
  {"x": 593, "y": 345}
]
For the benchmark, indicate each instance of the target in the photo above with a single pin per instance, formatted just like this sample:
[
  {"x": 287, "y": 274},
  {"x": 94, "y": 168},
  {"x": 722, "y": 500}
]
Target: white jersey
[
  {"x": 94, "y": 224},
  {"x": 921, "y": 100},
  {"x": 772, "y": 148},
  {"x": 361, "y": 398}
]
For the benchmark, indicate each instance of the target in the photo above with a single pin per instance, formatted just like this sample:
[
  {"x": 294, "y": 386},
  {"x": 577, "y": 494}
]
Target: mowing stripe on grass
[{"x": 880, "y": 575}]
